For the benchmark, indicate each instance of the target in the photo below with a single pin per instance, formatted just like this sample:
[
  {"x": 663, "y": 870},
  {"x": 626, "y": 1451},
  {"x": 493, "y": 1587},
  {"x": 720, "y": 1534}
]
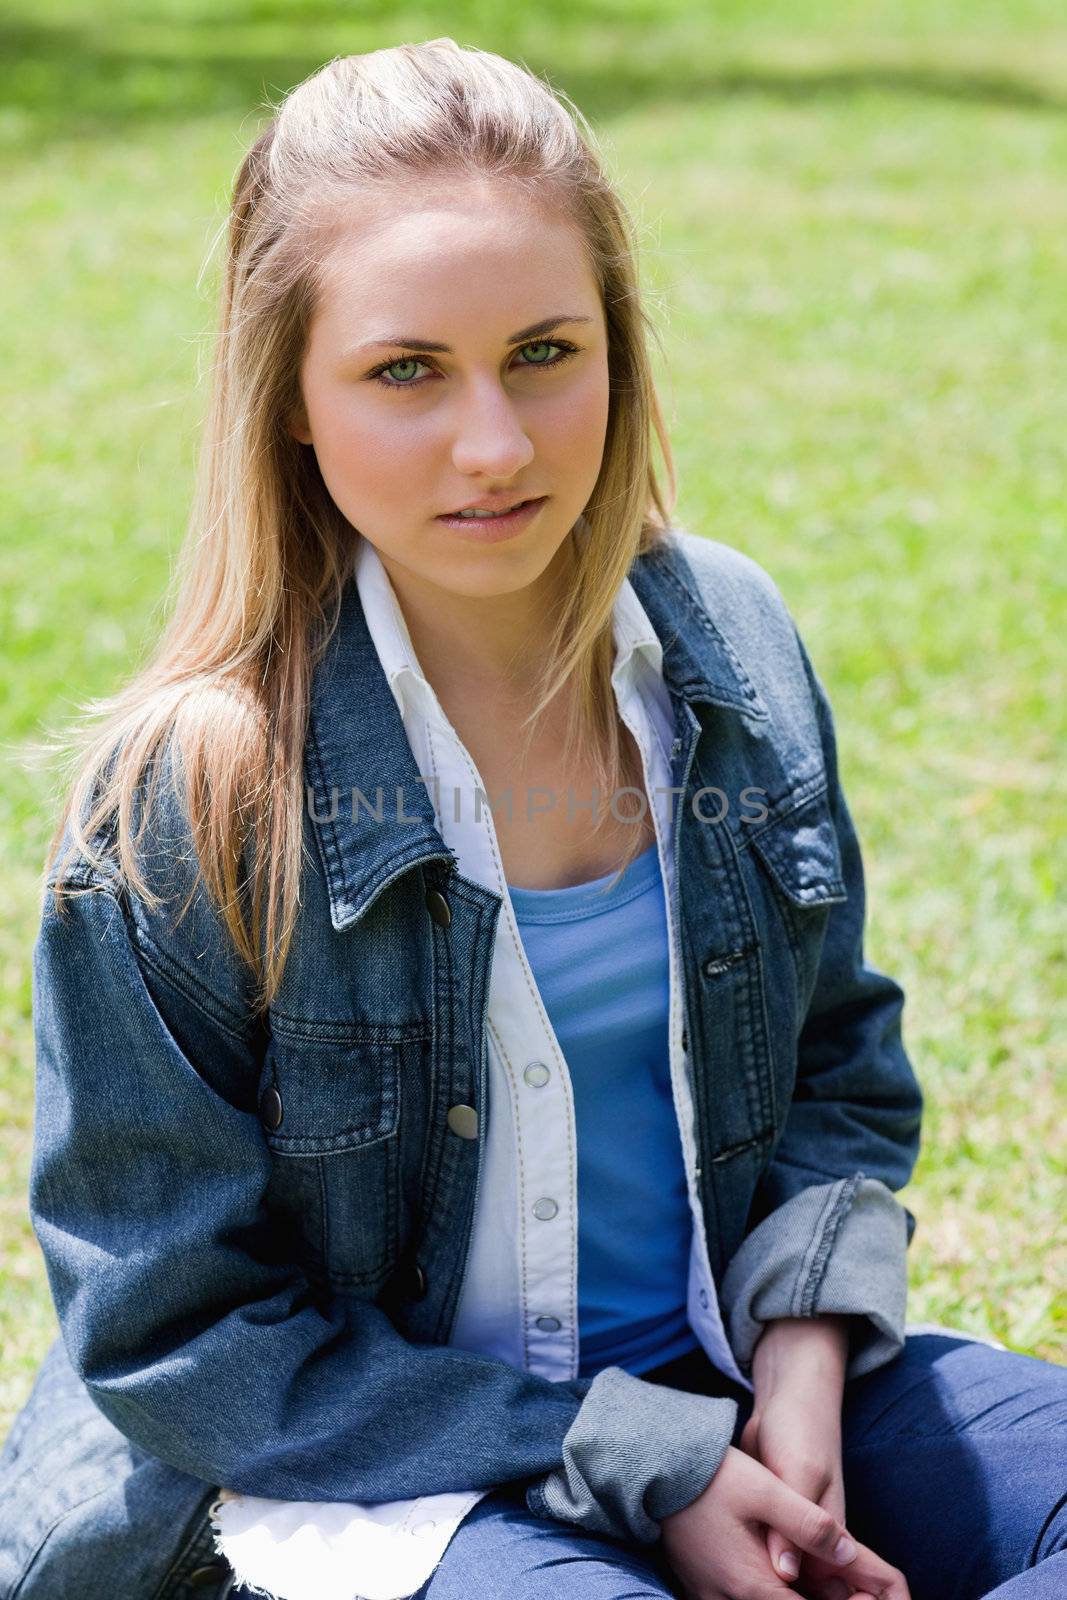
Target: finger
[
  {"x": 784, "y": 1559},
  {"x": 767, "y": 1585},
  {"x": 826, "y": 1589},
  {"x": 805, "y": 1525},
  {"x": 868, "y": 1572},
  {"x": 834, "y": 1501},
  {"x": 772, "y": 1591},
  {"x": 820, "y": 1581}
]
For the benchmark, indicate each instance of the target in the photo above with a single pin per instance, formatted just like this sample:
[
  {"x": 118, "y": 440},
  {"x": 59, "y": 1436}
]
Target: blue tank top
[{"x": 600, "y": 961}]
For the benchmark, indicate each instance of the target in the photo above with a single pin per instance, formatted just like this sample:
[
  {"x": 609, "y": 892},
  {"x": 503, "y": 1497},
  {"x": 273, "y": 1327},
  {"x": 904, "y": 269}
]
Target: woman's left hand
[{"x": 798, "y": 1374}]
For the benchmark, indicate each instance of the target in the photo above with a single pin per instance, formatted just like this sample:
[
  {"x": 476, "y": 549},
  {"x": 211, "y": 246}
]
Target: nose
[{"x": 490, "y": 438}]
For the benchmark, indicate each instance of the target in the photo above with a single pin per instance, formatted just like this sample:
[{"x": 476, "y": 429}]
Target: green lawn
[{"x": 854, "y": 225}]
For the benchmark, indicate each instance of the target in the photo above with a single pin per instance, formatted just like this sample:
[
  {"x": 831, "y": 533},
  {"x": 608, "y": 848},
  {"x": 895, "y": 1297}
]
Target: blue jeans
[
  {"x": 955, "y": 1458},
  {"x": 955, "y": 1462}
]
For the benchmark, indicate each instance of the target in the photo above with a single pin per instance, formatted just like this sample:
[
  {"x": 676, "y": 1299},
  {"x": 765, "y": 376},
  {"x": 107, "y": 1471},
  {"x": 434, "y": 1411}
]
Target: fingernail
[
  {"x": 788, "y": 1563},
  {"x": 844, "y": 1550}
]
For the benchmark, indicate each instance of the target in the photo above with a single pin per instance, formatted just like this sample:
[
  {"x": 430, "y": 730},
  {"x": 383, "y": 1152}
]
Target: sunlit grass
[{"x": 855, "y": 247}]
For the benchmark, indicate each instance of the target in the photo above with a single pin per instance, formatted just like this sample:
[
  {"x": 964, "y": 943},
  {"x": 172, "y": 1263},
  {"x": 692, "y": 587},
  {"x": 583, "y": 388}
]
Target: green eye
[
  {"x": 410, "y": 362},
  {"x": 378, "y": 374},
  {"x": 542, "y": 344}
]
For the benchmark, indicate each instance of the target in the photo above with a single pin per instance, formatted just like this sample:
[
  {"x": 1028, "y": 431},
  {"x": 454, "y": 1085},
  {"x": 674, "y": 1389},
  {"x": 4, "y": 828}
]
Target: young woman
[{"x": 467, "y": 1129}]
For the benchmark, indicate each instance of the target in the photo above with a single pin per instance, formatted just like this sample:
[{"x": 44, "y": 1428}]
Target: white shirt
[{"x": 519, "y": 1296}]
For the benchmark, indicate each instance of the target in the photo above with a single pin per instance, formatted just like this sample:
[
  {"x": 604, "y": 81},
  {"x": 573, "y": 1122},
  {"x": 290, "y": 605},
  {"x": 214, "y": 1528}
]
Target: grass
[{"x": 853, "y": 230}]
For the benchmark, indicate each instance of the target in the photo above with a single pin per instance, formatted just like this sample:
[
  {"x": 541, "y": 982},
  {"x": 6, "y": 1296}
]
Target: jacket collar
[{"x": 357, "y": 755}]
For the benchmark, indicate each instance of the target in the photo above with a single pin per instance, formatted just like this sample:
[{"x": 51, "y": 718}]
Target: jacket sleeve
[
  {"x": 210, "y": 1352},
  {"x": 826, "y": 1232}
]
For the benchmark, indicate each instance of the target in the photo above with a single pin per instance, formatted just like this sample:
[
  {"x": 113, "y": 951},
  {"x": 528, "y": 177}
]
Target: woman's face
[{"x": 403, "y": 434}]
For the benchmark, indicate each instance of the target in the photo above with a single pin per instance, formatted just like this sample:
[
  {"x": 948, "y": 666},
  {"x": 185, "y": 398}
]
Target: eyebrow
[{"x": 544, "y": 326}]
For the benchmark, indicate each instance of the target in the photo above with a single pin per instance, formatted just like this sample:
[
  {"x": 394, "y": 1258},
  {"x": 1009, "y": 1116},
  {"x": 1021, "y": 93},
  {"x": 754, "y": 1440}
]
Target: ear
[{"x": 296, "y": 423}]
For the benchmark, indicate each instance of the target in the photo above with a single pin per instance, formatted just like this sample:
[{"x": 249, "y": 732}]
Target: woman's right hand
[{"x": 716, "y": 1546}]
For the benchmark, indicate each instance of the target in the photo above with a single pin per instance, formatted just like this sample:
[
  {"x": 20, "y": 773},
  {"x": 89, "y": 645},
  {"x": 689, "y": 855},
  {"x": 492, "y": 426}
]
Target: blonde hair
[{"x": 267, "y": 553}]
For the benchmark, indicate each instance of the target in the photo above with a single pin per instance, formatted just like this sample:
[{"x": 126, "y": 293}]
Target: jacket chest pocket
[
  {"x": 795, "y": 874},
  {"x": 330, "y": 1111}
]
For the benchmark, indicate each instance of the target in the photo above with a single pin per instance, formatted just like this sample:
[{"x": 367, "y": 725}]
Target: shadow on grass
[{"x": 65, "y": 80}]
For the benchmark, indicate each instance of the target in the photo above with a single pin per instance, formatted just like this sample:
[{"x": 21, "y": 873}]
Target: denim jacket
[{"x": 255, "y": 1229}]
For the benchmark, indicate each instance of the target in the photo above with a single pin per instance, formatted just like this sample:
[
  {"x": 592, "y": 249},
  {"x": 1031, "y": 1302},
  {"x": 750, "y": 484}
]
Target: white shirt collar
[{"x": 636, "y": 641}]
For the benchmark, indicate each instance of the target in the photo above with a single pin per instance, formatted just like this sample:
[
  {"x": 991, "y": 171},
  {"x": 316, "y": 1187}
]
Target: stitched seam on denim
[
  {"x": 760, "y": 1101},
  {"x": 354, "y": 1136},
  {"x": 444, "y": 1022},
  {"x": 826, "y": 1243},
  {"x": 747, "y": 696},
  {"x": 324, "y": 827},
  {"x": 69, "y": 1512},
  {"x": 28, "y": 1570},
  {"x": 83, "y": 877},
  {"x": 138, "y": 939},
  {"x": 657, "y": 762},
  {"x": 798, "y": 1296},
  {"x": 173, "y": 972},
  {"x": 28, "y": 1469},
  {"x": 795, "y": 799},
  {"x": 303, "y": 1030},
  {"x": 762, "y": 1097},
  {"x": 82, "y": 873},
  {"x": 481, "y": 913},
  {"x": 326, "y": 832},
  {"x": 324, "y": 1234},
  {"x": 341, "y": 1277},
  {"x": 200, "y": 1542},
  {"x": 833, "y": 882}
]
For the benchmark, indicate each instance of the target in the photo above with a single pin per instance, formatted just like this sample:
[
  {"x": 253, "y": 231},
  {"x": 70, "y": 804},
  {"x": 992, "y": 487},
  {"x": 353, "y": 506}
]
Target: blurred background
[{"x": 853, "y": 225}]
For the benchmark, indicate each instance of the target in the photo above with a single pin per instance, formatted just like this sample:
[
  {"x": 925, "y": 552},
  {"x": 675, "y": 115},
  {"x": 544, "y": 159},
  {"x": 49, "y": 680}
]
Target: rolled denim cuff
[
  {"x": 635, "y": 1453},
  {"x": 836, "y": 1247}
]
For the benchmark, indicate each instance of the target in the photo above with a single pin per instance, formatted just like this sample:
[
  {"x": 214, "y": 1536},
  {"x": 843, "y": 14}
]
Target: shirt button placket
[{"x": 536, "y": 1074}]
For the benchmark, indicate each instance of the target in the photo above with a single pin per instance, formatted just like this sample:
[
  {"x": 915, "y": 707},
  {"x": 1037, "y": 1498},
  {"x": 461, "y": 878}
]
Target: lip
[{"x": 488, "y": 530}]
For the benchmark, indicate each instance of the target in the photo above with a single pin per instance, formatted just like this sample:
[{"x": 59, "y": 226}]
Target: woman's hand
[
  {"x": 717, "y": 1547},
  {"x": 798, "y": 1373}
]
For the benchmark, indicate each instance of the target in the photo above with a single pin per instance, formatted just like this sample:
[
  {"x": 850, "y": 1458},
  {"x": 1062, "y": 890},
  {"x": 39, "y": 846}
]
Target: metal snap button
[
  {"x": 415, "y": 1282},
  {"x": 437, "y": 906},
  {"x": 545, "y": 1210},
  {"x": 536, "y": 1074},
  {"x": 270, "y": 1108},
  {"x": 703, "y": 1298},
  {"x": 463, "y": 1120},
  {"x": 547, "y": 1324},
  {"x": 685, "y": 1040}
]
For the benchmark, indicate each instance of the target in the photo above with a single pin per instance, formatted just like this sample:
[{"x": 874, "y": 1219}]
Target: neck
[{"x": 471, "y": 644}]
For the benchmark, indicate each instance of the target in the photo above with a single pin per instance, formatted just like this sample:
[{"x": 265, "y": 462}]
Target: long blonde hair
[{"x": 260, "y": 575}]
